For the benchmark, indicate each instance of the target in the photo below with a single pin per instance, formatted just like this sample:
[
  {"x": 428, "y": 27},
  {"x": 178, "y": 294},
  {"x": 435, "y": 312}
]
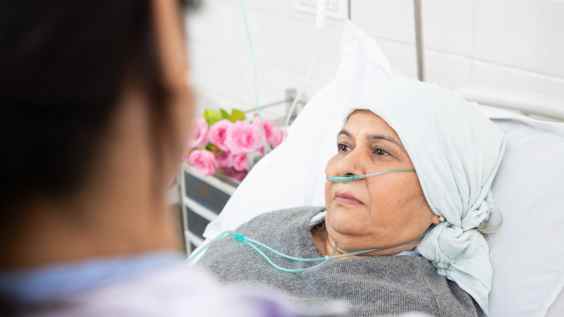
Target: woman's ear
[{"x": 172, "y": 48}]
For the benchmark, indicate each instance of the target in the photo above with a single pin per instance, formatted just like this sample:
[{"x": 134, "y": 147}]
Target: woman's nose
[{"x": 352, "y": 163}]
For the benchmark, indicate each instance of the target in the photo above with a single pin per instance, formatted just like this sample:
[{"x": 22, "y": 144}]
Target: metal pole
[
  {"x": 419, "y": 47},
  {"x": 349, "y": 10},
  {"x": 183, "y": 212}
]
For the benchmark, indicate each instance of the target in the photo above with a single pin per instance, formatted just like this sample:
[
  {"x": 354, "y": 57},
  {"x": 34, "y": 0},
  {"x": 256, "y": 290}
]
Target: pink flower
[
  {"x": 272, "y": 135},
  {"x": 219, "y": 132},
  {"x": 224, "y": 160},
  {"x": 277, "y": 137},
  {"x": 264, "y": 126},
  {"x": 238, "y": 176},
  {"x": 243, "y": 138},
  {"x": 240, "y": 162},
  {"x": 204, "y": 161},
  {"x": 261, "y": 151},
  {"x": 201, "y": 134}
]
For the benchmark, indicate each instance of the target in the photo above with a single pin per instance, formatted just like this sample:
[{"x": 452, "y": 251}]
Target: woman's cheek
[{"x": 327, "y": 194}]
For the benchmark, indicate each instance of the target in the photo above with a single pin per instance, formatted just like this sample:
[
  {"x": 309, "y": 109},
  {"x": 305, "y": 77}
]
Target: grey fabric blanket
[{"x": 372, "y": 285}]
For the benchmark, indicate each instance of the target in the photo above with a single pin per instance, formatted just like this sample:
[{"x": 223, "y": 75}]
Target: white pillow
[
  {"x": 529, "y": 189},
  {"x": 293, "y": 174}
]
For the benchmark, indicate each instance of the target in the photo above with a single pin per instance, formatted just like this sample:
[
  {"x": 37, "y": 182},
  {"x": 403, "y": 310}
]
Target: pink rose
[
  {"x": 219, "y": 132},
  {"x": 240, "y": 162},
  {"x": 238, "y": 176},
  {"x": 264, "y": 126},
  {"x": 243, "y": 138},
  {"x": 224, "y": 160},
  {"x": 277, "y": 137},
  {"x": 261, "y": 151},
  {"x": 201, "y": 133},
  {"x": 204, "y": 161}
]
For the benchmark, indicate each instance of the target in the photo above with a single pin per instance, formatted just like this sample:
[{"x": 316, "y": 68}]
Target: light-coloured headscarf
[
  {"x": 455, "y": 149},
  {"x": 456, "y": 152}
]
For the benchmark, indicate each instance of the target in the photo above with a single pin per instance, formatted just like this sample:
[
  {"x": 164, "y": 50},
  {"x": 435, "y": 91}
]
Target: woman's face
[{"x": 380, "y": 211}]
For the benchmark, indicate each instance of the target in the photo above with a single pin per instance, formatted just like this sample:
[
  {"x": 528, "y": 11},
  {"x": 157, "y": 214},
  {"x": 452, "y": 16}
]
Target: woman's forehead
[{"x": 365, "y": 122}]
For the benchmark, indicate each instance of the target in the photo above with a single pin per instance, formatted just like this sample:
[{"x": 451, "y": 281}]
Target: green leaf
[
  {"x": 224, "y": 113},
  {"x": 212, "y": 116},
  {"x": 237, "y": 115}
]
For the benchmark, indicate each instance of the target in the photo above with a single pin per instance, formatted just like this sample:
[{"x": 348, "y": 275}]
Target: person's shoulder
[
  {"x": 294, "y": 214},
  {"x": 177, "y": 291},
  {"x": 279, "y": 229},
  {"x": 179, "y": 277},
  {"x": 290, "y": 217}
]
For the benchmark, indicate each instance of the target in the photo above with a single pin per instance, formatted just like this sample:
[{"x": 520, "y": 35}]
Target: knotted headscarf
[
  {"x": 456, "y": 152},
  {"x": 455, "y": 149}
]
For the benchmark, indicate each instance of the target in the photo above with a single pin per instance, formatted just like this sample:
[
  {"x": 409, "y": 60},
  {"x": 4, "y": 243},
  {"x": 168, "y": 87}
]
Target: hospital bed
[
  {"x": 527, "y": 254},
  {"x": 205, "y": 196}
]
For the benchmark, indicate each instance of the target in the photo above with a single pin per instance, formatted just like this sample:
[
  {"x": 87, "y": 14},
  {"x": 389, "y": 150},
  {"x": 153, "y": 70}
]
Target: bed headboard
[{"x": 537, "y": 106}]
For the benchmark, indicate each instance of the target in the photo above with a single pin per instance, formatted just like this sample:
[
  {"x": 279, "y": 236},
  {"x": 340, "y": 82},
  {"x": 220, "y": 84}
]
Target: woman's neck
[{"x": 327, "y": 246}]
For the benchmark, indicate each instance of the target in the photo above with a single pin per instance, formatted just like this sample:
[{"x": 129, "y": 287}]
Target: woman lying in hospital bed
[{"x": 407, "y": 204}]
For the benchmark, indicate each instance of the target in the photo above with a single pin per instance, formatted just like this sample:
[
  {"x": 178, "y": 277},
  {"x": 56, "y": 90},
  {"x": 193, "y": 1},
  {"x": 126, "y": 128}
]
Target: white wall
[
  {"x": 510, "y": 47},
  {"x": 285, "y": 42},
  {"x": 514, "y": 47}
]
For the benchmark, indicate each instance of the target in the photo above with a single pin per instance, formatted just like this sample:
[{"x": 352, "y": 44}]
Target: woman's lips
[{"x": 347, "y": 199}]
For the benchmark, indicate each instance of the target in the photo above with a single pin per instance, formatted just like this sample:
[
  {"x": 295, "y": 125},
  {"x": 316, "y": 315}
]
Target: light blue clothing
[
  {"x": 154, "y": 284},
  {"x": 59, "y": 281}
]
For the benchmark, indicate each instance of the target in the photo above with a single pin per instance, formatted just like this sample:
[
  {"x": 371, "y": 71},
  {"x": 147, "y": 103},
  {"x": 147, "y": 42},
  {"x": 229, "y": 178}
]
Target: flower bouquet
[{"x": 227, "y": 144}]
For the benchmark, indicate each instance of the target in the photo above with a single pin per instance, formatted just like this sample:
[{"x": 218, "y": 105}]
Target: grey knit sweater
[{"x": 372, "y": 285}]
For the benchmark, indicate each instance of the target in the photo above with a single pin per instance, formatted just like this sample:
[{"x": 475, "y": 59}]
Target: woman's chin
[
  {"x": 340, "y": 207},
  {"x": 347, "y": 220}
]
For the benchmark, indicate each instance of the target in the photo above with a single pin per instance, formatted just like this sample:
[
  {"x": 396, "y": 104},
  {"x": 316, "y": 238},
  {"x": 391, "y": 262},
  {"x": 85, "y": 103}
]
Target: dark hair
[{"x": 63, "y": 64}]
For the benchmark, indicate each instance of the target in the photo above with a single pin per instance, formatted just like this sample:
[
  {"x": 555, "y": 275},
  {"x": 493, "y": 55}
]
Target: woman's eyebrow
[
  {"x": 371, "y": 137},
  {"x": 345, "y": 133},
  {"x": 384, "y": 137}
]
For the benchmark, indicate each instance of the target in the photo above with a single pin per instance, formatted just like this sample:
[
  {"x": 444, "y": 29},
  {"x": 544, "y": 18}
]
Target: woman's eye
[
  {"x": 380, "y": 152},
  {"x": 342, "y": 147}
]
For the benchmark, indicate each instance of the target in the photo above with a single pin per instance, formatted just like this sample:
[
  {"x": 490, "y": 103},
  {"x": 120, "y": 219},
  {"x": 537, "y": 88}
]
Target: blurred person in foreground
[{"x": 96, "y": 110}]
